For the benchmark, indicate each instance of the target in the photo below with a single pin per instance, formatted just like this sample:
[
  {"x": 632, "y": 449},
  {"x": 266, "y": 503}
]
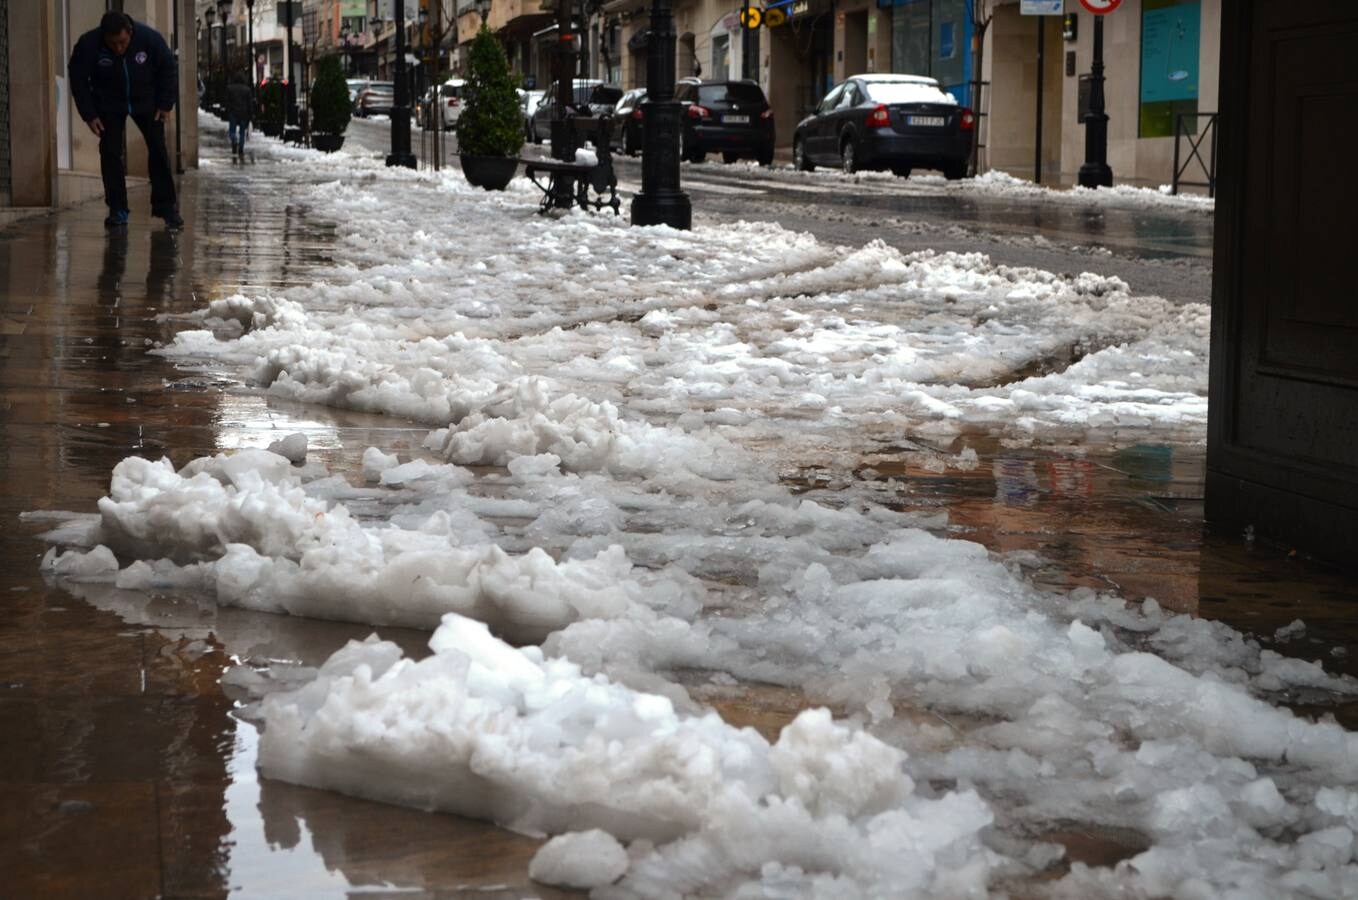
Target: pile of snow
[
  {"x": 628, "y": 427},
  {"x": 484, "y": 730}
]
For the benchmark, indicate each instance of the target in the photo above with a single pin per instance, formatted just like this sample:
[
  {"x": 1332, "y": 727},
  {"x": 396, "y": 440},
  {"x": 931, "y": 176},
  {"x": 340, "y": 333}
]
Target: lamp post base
[
  {"x": 1095, "y": 175},
  {"x": 404, "y": 159},
  {"x": 670, "y": 208}
]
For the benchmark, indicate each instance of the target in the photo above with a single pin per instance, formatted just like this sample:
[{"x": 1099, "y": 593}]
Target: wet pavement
[{"x": 124, "y": 771}]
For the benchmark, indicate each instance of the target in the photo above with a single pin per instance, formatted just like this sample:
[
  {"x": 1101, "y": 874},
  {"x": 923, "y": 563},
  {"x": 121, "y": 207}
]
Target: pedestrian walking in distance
[
  {"x": 240, "y": 103},
  {"x": 122, "y": 70}
]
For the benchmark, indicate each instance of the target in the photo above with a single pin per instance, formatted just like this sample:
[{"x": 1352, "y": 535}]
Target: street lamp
[
  {"x": 223, "y": 10},
  {"x": 209, "y": 16},
  {"x": 1095, "y": 172},
  {"x": 250, "y": 33},
  {"x": 400, "y": 111},
  {"x": 661, "y": 201}
]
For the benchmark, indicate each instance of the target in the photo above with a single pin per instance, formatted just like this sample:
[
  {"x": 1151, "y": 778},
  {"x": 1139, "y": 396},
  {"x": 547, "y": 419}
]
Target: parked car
[
  {"x": 375, "y": 98},
  {"x": 441, "y": 104},
  {"x": 732, "y": 118},
  {"x": 528, "y": 102},
  {"x": 627, "y": 128},
  {"x": 355, "y": 85},
  {"x": 896, "y": 122},
  {"x": 592, "y": 98}
]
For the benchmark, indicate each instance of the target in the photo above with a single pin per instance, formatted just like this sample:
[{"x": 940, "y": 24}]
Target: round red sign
[{"x": 1100, "y": 7}]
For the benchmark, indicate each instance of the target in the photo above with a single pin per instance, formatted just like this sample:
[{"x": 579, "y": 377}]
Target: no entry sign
[{"x": 1100, "y": 7}]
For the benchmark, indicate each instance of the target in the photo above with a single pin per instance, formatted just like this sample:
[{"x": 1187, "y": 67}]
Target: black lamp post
[
  {"x": 661, "y": 201},
  {"x": 209, "y": 16},
  {"x": 250, "y": 35},
  {"x": 1095, "y": 171},
  {"x": 400, "y": 112},
  {"x": 223, "y": 9}
]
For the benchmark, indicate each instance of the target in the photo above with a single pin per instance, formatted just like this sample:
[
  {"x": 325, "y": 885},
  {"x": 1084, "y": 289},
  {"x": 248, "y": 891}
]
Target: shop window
[{"x": 1171, "y": 36}]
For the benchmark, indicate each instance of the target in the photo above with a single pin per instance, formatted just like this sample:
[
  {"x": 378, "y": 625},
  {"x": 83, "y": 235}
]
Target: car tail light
[
  {"x": 637, "y": 113},
  {"x": 879, "y": 117},
  {"x": 766, "y": 114},
  {"x": 698, "y": 112},
  {"x": 968, "y": 119},
  {"x": 452, "y": 101}
]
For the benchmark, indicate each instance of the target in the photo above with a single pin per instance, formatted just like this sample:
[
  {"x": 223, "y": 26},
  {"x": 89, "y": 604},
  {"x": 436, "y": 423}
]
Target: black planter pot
[
  {"x": 327, "y": 143},
  {"x": 492, "y": 173}
]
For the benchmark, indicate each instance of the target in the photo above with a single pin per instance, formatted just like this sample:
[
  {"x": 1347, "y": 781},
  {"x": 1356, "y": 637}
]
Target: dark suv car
[{"x": 727, "y": 117}]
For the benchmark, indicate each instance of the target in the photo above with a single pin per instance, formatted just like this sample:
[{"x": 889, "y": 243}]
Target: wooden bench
[{"x": 571, "y": 183}]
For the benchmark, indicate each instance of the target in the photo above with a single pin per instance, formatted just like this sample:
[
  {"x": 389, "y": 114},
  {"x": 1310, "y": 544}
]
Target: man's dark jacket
[
  {"x": 137, "y": 83},
  {"x": 239, "y": 101}
]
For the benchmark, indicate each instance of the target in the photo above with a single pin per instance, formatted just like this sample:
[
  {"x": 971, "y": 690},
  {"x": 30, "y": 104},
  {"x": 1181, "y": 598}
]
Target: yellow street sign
[
  {"x": 774, "y": 17},
  {"x": 751, "y": 17}
]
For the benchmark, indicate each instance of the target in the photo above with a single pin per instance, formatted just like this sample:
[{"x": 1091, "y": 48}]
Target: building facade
[
  {"x": 48, "y": 157},
  {"x": 1161, "y": 59}
]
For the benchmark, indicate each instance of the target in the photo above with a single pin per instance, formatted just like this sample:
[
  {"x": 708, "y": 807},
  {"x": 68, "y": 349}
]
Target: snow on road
[{"x": 611, "y": 410}]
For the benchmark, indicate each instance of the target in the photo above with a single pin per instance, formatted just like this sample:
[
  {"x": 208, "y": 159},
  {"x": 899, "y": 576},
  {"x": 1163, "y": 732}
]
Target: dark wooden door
[{"x": 1283, "y": 432}]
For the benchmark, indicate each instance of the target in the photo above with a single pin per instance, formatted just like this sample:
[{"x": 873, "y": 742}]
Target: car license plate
[
  {"x": 736, "y": 120},
  {"x": 926, "y": 121}
]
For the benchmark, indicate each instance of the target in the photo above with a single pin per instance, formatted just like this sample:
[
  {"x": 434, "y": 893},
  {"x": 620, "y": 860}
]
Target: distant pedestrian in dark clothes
[
  {"x": 240, "y": 107},
  {"x": 124, "y": 69}
]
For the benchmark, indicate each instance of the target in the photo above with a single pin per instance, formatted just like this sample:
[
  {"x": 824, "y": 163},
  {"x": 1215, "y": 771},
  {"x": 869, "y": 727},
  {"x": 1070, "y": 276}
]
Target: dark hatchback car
[
  {"x": 727, "y": 117},
  {"x": 628, "y": 122},
  {"x": 592, "y": 98},
  {"x": 896, "y": 122}
]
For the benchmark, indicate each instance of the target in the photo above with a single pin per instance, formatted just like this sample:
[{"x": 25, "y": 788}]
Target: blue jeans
[{"x": 238, "y": 125}]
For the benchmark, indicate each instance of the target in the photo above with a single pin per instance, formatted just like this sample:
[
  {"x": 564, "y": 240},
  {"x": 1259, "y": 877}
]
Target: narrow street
[
  {"x": 757, "y": 470},
  {"x": 1167, "y": 252}
]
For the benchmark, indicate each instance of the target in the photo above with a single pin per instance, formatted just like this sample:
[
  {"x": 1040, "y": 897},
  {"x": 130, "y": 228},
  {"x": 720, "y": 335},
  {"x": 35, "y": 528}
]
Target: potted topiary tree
[
  {"x": 329, "y": 106},
  {"x": 271, "y": 101},
  {"x": 490, "y": 129}
]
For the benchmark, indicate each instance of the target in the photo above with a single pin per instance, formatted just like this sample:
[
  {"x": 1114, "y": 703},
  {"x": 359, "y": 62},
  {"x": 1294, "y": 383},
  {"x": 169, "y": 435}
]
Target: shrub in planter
[
  {"x": 329, "y": 105},
  {"x": 490, "y": 129},
  {"x": 271, "y": 100}
]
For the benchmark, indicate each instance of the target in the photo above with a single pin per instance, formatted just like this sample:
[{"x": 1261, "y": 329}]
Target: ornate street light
[
  {"x": 223, "y": 10},
  {"x": 400, "y": 110},
  {"x": 250, "y": 33},
  {"x": 1095, "y": 172},
  {"x": 209, "y": 16},
  {"x": 661, "y": 201}
]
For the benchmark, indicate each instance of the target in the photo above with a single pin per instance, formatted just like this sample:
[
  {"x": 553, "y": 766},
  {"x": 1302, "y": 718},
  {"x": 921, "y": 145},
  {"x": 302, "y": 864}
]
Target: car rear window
[
  {"x": 451, "y": 90},
  {"x": 604, "y": 94},
  {"x": 729, "y": 93},
  {"x": 907, "y": 92}
]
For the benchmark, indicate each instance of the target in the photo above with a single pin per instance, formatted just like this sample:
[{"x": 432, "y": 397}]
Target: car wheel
[
  {"x": 765, "y": 157},
  {"x": 728, "y": 157},
  {"x": 900, "y": 171},
  {"x": 629, "y": 143},
  {"x": 799, "y": 159},
  {"x": 955, "y": 171},
  {"x": 848, "y": 160}
]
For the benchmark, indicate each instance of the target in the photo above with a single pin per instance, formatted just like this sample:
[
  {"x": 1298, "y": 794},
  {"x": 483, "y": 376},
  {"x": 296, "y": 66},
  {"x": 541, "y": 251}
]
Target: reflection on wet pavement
[{"x": 124, "y": 770}]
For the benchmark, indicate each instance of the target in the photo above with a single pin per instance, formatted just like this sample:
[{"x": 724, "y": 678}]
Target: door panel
[{"x": 1283, "y": 436}]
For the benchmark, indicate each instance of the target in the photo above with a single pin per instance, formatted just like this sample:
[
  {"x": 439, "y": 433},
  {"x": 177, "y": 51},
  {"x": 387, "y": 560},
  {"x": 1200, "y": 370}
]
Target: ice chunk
[
  {"x": 579, "y": 859},
  {"x": 293, "y": 448},
  {"x": 375, "y": 462}
]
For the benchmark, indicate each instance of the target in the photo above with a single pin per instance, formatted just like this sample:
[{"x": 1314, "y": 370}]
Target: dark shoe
[
  {"x": 116, "y": 218},
  {"x": 172, "y": 219},
  {"x": 235, "y": 149}
]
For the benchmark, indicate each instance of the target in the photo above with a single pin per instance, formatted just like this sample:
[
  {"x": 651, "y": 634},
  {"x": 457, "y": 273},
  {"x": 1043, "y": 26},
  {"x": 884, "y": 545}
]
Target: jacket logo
[
  {"x": 105, "y": 60},
  {"x": 140, "y": 57}
]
